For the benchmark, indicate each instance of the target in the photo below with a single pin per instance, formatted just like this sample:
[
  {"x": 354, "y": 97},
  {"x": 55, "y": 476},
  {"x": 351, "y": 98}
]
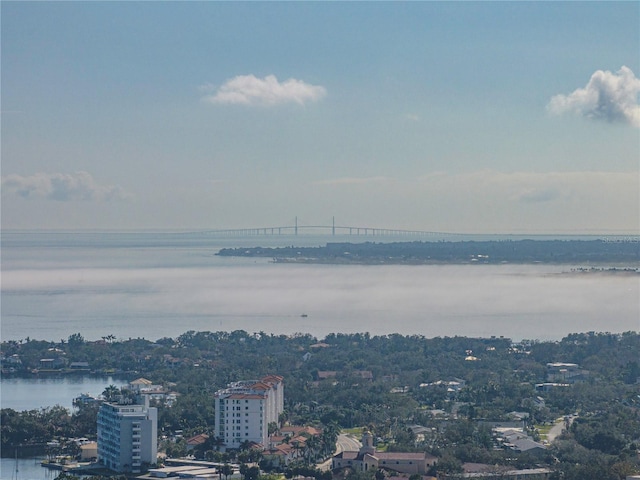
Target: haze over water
[{"x": 155, "y": 285}]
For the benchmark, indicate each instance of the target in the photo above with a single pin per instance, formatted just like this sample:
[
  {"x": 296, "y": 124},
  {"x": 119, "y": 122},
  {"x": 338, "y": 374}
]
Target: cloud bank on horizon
[
  {"x": 61, "y": 187},
  {"x": 268, "y": 91},
  {"x": 612, "y": 97}
]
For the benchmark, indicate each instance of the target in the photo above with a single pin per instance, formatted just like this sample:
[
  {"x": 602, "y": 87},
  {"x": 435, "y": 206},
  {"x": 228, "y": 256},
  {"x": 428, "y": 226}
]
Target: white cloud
[
  {"x": 267, "y": 91},
  {"x": 61, "y": 187},
  {"x": 608, "y": 96}
]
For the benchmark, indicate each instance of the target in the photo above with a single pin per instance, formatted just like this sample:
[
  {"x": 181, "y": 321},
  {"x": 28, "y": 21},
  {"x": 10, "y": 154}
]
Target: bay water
[
  {"x": 25, "y": 469},
  {"x": 154, "y": 285}
]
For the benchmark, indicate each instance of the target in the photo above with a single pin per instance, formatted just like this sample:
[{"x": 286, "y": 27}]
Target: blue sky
[{"x": 454, "y": 116}]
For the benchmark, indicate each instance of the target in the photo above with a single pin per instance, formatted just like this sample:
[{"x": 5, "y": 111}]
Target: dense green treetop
[{"x": 386, "y": 383}]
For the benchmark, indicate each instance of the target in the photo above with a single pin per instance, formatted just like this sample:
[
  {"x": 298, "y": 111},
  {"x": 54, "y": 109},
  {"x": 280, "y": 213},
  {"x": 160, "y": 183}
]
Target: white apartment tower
[
  {"x": 245, "y": 409},
  {"x": 127, "y": 436}
]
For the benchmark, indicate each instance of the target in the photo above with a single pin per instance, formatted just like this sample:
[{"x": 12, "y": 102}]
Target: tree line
[{"x": 387, "y": 384}]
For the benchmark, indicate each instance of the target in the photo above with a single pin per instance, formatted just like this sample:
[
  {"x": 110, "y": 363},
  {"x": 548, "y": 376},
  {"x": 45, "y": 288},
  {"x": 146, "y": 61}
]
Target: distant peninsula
[{"x": 587, "y": 252}]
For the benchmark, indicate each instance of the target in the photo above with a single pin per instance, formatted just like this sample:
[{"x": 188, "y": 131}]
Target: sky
[{"x": 465, "y": 117}]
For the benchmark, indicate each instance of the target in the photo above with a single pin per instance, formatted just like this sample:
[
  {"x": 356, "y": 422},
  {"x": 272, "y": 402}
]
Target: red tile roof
[{"x": 198, "y": 439}]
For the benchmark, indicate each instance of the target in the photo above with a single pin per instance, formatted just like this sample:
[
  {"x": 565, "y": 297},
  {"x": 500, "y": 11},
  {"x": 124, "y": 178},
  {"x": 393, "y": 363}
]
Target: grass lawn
[{"x": 543, "y": 430}]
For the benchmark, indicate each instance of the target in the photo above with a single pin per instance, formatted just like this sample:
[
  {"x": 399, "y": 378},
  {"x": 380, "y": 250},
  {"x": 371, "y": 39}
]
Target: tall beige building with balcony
[{"x": 245, "y": 409}]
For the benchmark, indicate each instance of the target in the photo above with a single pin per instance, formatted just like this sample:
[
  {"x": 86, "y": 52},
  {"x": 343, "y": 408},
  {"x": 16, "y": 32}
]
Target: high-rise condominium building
[
  {"x": 127, "y": 436},
  {"x": 245, "y": 409}
]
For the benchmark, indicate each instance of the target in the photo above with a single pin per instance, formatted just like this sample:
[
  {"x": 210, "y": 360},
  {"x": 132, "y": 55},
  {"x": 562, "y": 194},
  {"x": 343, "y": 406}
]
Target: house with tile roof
[
  {"x": 196, "y": 441},
  {"x": 280, "y": 455}
]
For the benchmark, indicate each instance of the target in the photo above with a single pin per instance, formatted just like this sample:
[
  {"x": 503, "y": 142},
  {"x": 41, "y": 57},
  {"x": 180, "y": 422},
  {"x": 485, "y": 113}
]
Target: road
[
  {"x": 559, "y": 427},
  {"x": 344, "y": 443},
  {"x": 347, "y": 443}
]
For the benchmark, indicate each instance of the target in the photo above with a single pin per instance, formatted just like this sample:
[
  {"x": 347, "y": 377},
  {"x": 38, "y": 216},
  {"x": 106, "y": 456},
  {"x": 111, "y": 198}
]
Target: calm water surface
[
  {"x": 42, "y": 392},
  {"x": 155, "y": 285},
  {"x": 27, "y": 469}
]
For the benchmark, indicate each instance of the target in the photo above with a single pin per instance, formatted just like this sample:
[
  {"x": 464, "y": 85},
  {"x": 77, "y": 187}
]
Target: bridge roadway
[{"x": 323, "y": 230}]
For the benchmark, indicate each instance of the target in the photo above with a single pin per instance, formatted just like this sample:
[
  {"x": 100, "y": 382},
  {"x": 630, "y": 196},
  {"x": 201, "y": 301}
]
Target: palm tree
[
  {"x": 226, "y": 470},
  {"x": 297, "y": 447},
  {"x": 311, "y": 447},
  {"x": 328, "y": 439},
  {"x": 111, "y": 393}
]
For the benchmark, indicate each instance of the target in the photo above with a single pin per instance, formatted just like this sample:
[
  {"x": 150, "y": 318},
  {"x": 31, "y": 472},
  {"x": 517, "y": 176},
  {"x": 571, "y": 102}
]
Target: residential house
[
  {"x": 11, "y": 364},
  {"x": 146, "y": 387},
  {"x": 364, "y": 374},
  {"x": 546, "y": 386},
  {"x": 560, "y": 372},
  {"x": 196, "y": 441},
  {"x": 88, "y": 451},
  {"x": 518, "y": 441},
  {"x": 52, "y": 363},
  {"x": 293, "y": 430},
  {"x": 80, "y": 367},
  {"x": 326, "y": 374},
  {"x": 280, "y": 455}
]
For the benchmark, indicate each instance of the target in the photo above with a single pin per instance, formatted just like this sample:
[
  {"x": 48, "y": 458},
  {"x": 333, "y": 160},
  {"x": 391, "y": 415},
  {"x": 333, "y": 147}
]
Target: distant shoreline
[{"x": 615, "y": 254}]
